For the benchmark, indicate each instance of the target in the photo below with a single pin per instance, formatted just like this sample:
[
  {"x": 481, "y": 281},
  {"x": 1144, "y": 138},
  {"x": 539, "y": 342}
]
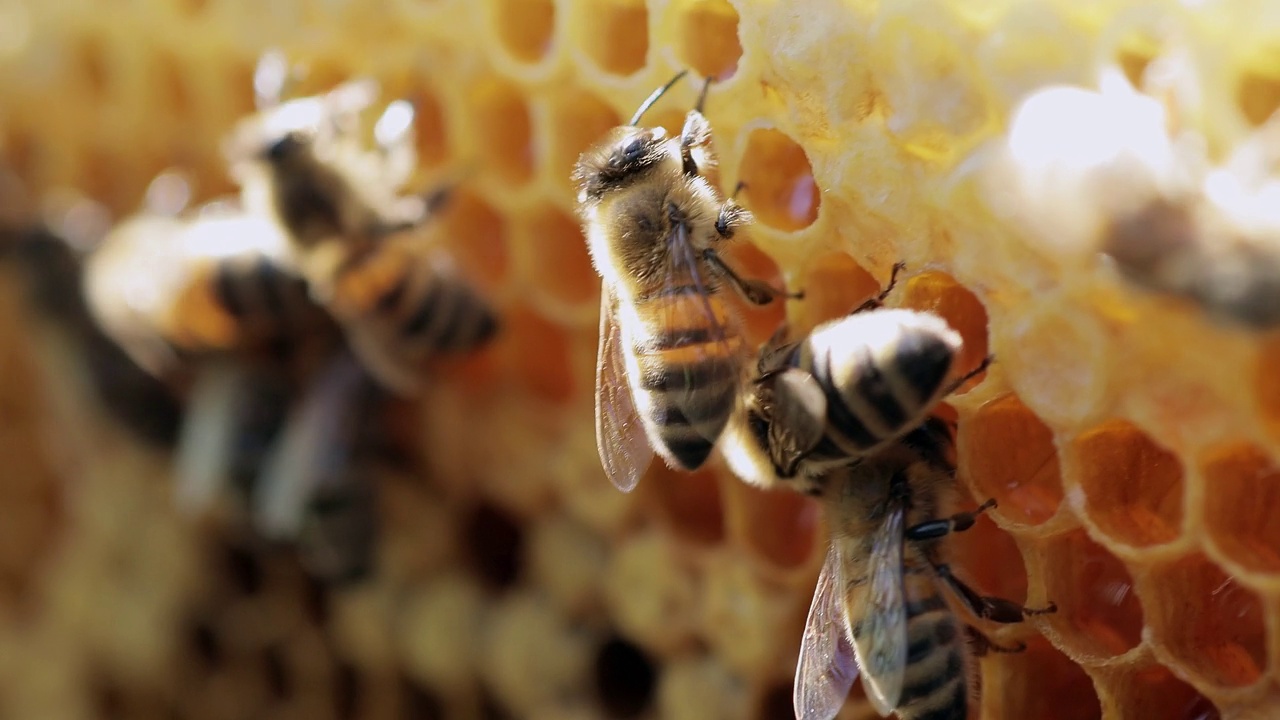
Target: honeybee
[
  {"x": 879, "y": 608},
  {"x": 851, "y": 387},
  {"x": 671, "y": 349}
]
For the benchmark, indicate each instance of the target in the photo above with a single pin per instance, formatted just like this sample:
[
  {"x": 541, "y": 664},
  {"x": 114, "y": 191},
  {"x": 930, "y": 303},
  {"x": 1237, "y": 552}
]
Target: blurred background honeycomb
[{"x": 1131, "y": 443}]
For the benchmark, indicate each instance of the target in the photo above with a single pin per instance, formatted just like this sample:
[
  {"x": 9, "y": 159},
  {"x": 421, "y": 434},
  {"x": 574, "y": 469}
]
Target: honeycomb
[{"x": 1131, "y": 442}]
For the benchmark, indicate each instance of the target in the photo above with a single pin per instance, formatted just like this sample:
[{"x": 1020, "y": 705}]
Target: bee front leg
[
  {"x": 753, "y": 290},
  {"x": 695, "y": 135},
  {"x": 933, "y": 529},
  {"x": 982, "y": 367},
  {"x": 877, "y": 301},
  {"x": 987, "y": 607},
  {"x": 982, "y": 644}
]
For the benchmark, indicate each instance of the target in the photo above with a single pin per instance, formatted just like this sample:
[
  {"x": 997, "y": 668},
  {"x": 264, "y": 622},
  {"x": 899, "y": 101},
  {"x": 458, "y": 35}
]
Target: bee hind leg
[
  {"x": 877, "y": 301},
  {"x": 982, "y": 645},
  {"x": 987, "y": 607}
]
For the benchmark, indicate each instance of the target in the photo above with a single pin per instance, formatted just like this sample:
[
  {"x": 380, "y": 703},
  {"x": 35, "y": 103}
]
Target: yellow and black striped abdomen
[
  {"x": 883, "y": 372},
  {"x": 935, "y": 684},
  {"x": 688, "y": 350}
]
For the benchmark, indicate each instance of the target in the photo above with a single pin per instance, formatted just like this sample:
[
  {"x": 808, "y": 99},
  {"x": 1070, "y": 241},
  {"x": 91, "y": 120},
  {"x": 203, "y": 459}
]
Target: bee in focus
[
  {"x": 850, "y": 388},
  {"x": 1113, "y": 171},
  {"x": 880, "y": 608},
  {"x": 671, "y": 349}
]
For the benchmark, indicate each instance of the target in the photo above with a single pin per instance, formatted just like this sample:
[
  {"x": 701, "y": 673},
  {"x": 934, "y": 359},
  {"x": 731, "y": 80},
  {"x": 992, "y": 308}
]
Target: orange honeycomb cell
[
  {"x": 559, "y": 250},
  {"x": 989, "y": 559},
  {"x": 689, "y": 502},
  {"x": 1099, "y": 614},
  {"x": 1039, "y": 683},
  {"x": 619, "y": 38},
  {"x": 1207, "y": 621},
  {"x": 776, "y": 526},
  {"x": 525, "y": 27},
  {"x": 706, "y": 36},
  {"x": 780, "y": 189},
  {"x": 1132, "y": 486},
  {"x": 476, "y": 236},
  {"x": 578, "y": 120},
  {"x": 1266, "y": 383},
  {"x": 1159, "y": 694},
  {"x": 1242, "y": 491},
  {"x": 760, "y": 321},
  {"x": 1010, "y": 456},
  {"x": 91, "y": 57},
  {"x": 833, "y": 287},
  {"x": 1258, "y": 89},
  {"x": 431, "y": 137},
  {"x": 536, "y": 355},
  {"x": 940, "y": 294},
  {"x": 503, "y": 131}
]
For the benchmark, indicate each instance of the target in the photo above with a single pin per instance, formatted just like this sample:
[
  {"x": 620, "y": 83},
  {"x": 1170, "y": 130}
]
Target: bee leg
[
  {"x": 753, "y": 290},
  {"x": 982, "y": 644},
  {"x": 731, "y": 217},
  {"x": 742, "y": 185},
  {"x": 933, "y": 529},
  {"x": 982, "y": 367},
  {"x": 695, "y": 135},
  {"x": 877, "y": 302},
  {"x": 986, "y": 607}
]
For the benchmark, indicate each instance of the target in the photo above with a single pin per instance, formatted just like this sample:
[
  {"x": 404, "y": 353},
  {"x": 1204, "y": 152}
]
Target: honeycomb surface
[{"x": 1132, "y": 444}]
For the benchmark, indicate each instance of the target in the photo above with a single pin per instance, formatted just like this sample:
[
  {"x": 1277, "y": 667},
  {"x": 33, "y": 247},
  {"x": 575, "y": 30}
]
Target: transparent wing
[
  {"x": 206, "y": 439},
  {"x": 620, "y": 437},
  {"x": 314, "y": 445},
  {"x": 702, "y": 374},
  {"x": 881, "y": 646},
  {"x": 827, "y": 667}
]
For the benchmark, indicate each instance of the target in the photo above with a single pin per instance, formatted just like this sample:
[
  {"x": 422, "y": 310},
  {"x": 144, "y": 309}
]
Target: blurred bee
[
  {"x": 879, "y": 608},
  {"x": 850, "y": 388},
  {"x": 1112, "y": 171},
  {"x": 304, "y": 163},
  {"x": 671, "y": 349}
]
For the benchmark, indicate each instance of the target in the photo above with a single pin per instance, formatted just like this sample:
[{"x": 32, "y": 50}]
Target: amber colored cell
[
  {"x": 559, "y": 253},
  {"x": 1010, "y": 456},
  {"x": 1266, "y": 383},
  {"x": 780, "y": 187},
  {"x": 1039, "y": 683},
  {"x": 430, "y": 138},
  {"x": 1132, "y": 487},
  {"x": 708, "y": 37},
  {"x": 1209, "y": 623},
  {"x": 1099, "y": 614},
  {"x": 778, "y": 527},
  {"x": 940, "y": 294},
  {"x": 1242, "y": 492},
  {"x": 759, "y": 321},
  {"x": 536, "y": 355},
  {"x": 833, "y": 287},
  {"x": 689, "y": 502},
  {"x": 1258, "y": 90},
  {"x": 92, "y": 57},
  {"x": 579, "y": 121},
  {"x": 172, "y": 85},
  {"x": 989, "y": 559},
  {"x": 476, "y": 237},
  {"x": 618, "y": 36},
  {"x": 525, "y": 27},
  {"x": 1160, "y": 695},
  {"x": 500, "y": 119}
]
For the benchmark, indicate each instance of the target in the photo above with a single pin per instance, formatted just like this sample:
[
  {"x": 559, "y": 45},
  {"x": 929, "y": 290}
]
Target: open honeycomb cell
[
  {"x": 501, "y": 129},
  {"x": 525, "y": 27},
  {"x": 690, "y": 503},
  {"x": 1024, "y": 475},
  {"x": 1240, "y": 483},
  {"x": 618, "y": 39},
  {"x": 1099, "y": 613},
  {"x": 705, "y": 33},
  {"x": 1158, "y": 692},
  {"x": 578, "y": 120},
  {"x": 1211, "y": 625},
  {"x": 558, "y": 249},
  {"x": 780, "y": 189},
  {"x": 777, "y": 527},
  {"x": 1054, "y": 687},
  {"x": 1133, "y": 488},
  {"x": 941, "y": 295}
]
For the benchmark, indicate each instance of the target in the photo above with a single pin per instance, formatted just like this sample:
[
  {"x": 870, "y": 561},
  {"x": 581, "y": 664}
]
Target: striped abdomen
[
  {"x": 244, "y": 302},
  {"x": 688, "y": 360},
  {"x": 883, "y": 372},
  {"x": 936, "y": 681}
]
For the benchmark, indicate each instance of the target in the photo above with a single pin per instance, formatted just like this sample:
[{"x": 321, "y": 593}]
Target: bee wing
[
  {"x": 881, "y": 646},
  {"x": 207, "y": 436},
  {"x": 314, "y": 444},
  {"x": 620, "y": 437},
  {"x": 827, "y": 667},
  {"x": 697, "y": 394},
  {"x": 799, "y": 417}
]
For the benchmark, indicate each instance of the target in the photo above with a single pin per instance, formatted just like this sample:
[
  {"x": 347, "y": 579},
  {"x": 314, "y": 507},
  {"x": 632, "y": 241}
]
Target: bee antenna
[{"x": 653, "y": 97}]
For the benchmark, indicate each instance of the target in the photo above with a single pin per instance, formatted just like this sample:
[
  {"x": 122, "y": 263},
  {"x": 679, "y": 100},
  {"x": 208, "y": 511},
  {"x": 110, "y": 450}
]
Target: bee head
[
  {"x": 625, "y": 154},
  {"x": 280, "y": 150}
]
